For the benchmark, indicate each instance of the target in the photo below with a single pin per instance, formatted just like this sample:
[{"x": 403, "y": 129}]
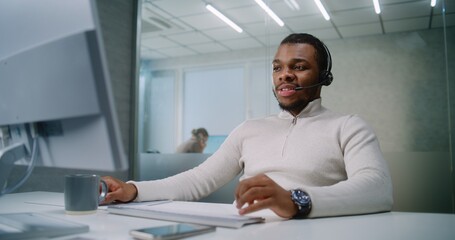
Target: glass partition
[{"x": 394, "y": 69}]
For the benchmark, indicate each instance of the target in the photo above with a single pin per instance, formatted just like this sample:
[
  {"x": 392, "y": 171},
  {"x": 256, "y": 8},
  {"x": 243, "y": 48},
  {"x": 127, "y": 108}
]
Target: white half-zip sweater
[{"x": 335, "y": 158}]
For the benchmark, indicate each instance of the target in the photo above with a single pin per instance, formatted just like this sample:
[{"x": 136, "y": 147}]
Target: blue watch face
[{"x": 301, "y": 198}]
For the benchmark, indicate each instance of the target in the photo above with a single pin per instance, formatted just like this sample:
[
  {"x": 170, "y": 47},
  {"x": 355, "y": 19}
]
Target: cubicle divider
[
  {"x": 52, "y": 179},
  {"x": 158, "y": 166},
  {"x": 421, "y": 181}
]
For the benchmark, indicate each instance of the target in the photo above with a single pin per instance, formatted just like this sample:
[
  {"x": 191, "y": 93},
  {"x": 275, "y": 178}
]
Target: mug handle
[{"x": 104, "y": 191}]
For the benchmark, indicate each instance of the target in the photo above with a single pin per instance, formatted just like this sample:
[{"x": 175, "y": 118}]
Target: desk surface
[{"x": 392, "y": 225}]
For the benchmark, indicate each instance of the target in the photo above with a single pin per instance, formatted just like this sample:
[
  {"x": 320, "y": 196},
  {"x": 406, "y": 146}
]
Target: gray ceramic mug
[{"x": 82, "y": 193}]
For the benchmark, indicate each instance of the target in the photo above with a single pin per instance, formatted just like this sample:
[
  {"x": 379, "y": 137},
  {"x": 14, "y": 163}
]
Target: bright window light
[
  {"x": 270, "y": 12},
  {"x": 224, "y": 18},
  {"x": 377, "y": 8},
  {"x": 433, "y": 3},
  {"x": 322, "y": 9}
]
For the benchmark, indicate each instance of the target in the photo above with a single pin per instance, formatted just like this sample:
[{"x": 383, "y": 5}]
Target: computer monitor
[{"x": 53, "y": 75}]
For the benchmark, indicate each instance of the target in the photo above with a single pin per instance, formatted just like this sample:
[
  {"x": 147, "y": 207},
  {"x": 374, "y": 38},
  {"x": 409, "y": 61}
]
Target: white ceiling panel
[
  {"x": 224, "y": 33},
  {"x": 248, "y": 14},
  {"x": 209, "y": 48},
  {"x": 265, "y": 28},
  {"x": 223, "y": 4},
  {"x": 271, "y": 40},
  {"x": 360, "y": 30},
  {"x": 405, "y": 25},
  {"x": 323, "y": 34},
  {"x": 307, "y": 22},
  {"x": 244, "y": 43},
  {"x": 152, "y": 55},
  {"x": 362, "y": 16},
  {"x": 281, "y": 9},
  {"x": 406, "y": 10},
  {"x": 204, "y": 21},
  {"x": 176, "y": 52},
  {"x": 178, "y": 28},
  {"x": 188, "y": 38},
  {"x": 334, "y": 6}
]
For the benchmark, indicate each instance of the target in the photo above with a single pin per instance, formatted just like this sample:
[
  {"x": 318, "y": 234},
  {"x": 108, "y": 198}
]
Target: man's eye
[
  {"x": 300, "y": 68},
  {"x": 276, "y": 68}
]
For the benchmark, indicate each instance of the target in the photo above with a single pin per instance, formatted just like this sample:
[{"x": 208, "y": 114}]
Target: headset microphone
[{"x": 312, "y": 86}]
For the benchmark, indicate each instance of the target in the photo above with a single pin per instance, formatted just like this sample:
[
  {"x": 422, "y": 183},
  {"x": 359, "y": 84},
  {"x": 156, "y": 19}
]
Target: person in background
[
  {"x": 197, "y": 142},
  {"x": 305, "y": 162}
]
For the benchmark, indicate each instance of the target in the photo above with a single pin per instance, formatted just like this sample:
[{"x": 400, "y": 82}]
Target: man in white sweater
[{"x": 307, "y": 161}]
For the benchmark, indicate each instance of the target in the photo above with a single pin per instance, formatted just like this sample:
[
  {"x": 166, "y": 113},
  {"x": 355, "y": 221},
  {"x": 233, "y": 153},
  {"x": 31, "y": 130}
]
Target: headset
[{"x": 325, "y": 76}]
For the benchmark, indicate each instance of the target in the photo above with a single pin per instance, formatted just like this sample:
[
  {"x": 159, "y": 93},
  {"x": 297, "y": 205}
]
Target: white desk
[{"x": 393, "y": 225}]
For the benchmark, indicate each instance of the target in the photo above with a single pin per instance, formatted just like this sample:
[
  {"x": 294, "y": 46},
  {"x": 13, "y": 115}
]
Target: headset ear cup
[
  {"x": 326, "y": 78},
  {"x": 329, "y": 78}
]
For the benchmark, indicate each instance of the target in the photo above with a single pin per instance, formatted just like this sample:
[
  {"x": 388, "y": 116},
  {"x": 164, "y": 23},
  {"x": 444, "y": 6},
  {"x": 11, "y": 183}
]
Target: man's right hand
[{"x": 119, "y": 191}]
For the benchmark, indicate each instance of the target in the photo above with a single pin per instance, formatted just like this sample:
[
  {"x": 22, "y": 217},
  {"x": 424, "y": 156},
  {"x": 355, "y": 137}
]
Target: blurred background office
[{"x": 176, "y": 65}]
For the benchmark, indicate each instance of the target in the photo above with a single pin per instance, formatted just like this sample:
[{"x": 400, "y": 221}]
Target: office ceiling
[{"x": 177, "y": 28}]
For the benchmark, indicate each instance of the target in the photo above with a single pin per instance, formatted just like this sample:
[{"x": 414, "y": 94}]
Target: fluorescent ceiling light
[
  {"x": 377, "y": 8},
  {"x": 224, "y": 18},
  {"x": 433, "y": 3},
  {"x": 270, "y": 12},
  {"x": 322, "y": 9}
]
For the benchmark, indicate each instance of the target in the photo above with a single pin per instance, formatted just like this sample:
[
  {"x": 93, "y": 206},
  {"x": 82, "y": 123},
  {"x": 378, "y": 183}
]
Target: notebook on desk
[
  {"x": 34, "y": 225},
  {"x": 213, "y": 214}
]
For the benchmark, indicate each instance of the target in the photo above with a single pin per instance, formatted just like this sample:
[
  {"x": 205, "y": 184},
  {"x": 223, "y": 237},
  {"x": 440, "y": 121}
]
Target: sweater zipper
[
  {"x": 294, "y": 120},
  {"x": 293, "y": 123}
]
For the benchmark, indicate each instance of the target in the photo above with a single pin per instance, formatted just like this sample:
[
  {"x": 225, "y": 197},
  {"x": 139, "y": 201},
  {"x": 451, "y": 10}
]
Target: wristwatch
[{"x": 303, "y": 202}]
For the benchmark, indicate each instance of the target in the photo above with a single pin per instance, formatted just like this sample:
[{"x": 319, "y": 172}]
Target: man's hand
[
  {"x": 119, "y": 190},
  {"x": 261, "y": 192}
]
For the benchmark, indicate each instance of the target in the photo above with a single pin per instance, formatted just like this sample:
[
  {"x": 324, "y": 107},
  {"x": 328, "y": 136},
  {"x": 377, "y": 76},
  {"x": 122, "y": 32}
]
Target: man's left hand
[{"x": 261, "y": 192}]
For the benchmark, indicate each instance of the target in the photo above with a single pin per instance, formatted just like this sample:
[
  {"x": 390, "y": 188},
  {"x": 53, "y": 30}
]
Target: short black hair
[{"x": 321, "y": 49}]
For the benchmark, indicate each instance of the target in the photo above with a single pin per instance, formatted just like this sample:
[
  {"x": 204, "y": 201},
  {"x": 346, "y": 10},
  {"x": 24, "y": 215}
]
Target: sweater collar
[{"x": 312, "y": 109}]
